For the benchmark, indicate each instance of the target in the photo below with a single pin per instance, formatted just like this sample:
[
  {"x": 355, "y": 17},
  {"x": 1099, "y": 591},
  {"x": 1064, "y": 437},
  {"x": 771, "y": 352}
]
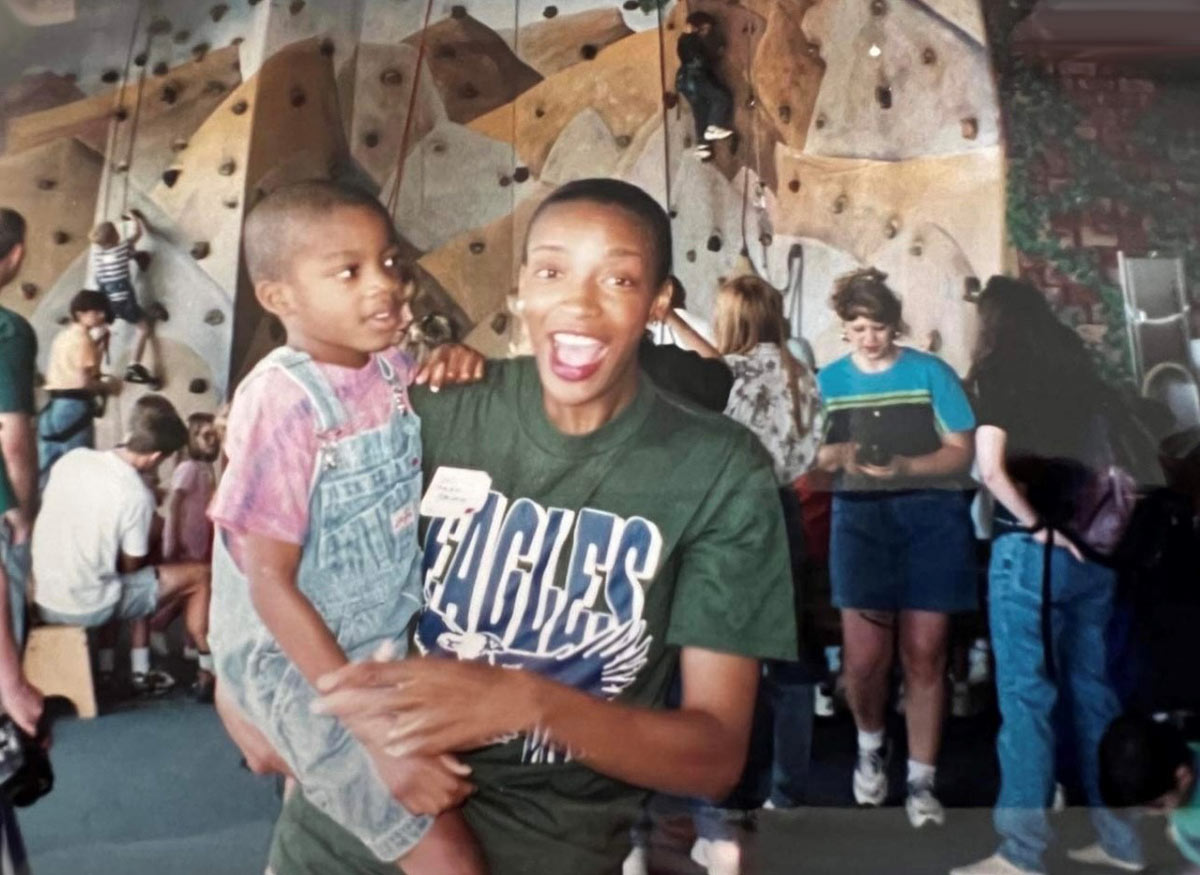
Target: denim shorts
[
  {"x": 903, "y": 551},
  {"x": 123, "y": 301},
  {"x": 139, "y": 598}
]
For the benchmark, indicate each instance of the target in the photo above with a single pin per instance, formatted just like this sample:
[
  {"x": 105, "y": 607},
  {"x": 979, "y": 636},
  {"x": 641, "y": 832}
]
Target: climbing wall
[{"x": 865, "y": 133}]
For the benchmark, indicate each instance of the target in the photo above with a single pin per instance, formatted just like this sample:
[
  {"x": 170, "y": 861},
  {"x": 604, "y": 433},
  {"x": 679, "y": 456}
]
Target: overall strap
[{"x": 301, "y": 368}]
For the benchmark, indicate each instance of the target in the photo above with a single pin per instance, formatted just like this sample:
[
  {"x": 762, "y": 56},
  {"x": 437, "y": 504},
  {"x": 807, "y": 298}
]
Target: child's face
[
  {"x": 206, "y": 443},
  {"x": 587, "y": 288},
  {"x": 91, "y": 318},
  {"x": 341, "y": 298}
]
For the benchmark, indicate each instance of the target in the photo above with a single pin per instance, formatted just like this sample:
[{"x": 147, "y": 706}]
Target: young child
[
  {"x": 1149, "y": 764},
  {"x": 110, "y": 265},
  {"x": 316, "y": 559},
  {"x": 699, "y": 48},
  {"x": 73, "y": 382}
]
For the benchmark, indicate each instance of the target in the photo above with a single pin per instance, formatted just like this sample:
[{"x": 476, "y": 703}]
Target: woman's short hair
[
  {"x": 91, "y": 301},
  {"x": 866, "y": 293},
  {"x": 155, "y": 427}
]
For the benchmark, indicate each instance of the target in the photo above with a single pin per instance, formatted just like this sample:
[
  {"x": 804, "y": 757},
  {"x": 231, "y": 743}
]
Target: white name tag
[{"x": 455, "y": 492}]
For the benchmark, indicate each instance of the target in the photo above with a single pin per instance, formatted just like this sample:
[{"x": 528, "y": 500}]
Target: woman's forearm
[
  {"x": 690, "y": 338},
  {"x": 945, "y": 462}
]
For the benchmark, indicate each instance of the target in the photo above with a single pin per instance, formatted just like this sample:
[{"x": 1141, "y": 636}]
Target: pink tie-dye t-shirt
[{"x": 271, "y": 442}]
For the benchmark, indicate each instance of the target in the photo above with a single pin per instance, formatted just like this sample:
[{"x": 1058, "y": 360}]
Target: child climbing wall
[
  {"x": 110, "y": 257},
  {"x": 699, "y": 48}
]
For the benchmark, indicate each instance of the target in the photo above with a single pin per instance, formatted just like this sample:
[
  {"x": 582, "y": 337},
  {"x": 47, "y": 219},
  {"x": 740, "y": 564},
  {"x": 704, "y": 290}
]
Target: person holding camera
[{"x": 898, "y": 439}]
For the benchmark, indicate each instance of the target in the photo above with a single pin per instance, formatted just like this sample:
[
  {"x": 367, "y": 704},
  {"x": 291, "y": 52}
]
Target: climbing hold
[
  {"x": 228, "y": 166},
  {"x": 623, "y": 141},
  {"x": 182, "y": 36},
  {"x": 539, "y": 112},
  {"x": 140, "y": 59},
  {"x": 296, "y": 97},
  {"x": 916, "y": 248},
  {"x": 499, "y": 323},
  {"x": 237, "y": 41},
  {"x": 690, "y": 255},
  {"x": 714, "y": 243},
  {"x": 29, "y": 290},
  {"x": 588, "y": 51},
  {"x": 199, "y": 50},
  {"x": 672, "y": 214},
  {"x": 296, "y": 7},
  {"x": 879, "y": 7},
  {"x": 229, "y": 203},
  {"x": 142, "y": 259},
  {"x": 477, "y": 247},
  {"x": 218, "y": 12},
  {"x": 839, "y": 205},
  {"x": 550, "y": 11},
  {"x": 239, "y": 107},
  {"x": 445, "y": 51},
  {"x": 438, "y": 147},
  {"x": 458, "y": 12},
  {"x": 505, "y": 181},
  {"x": 157, "y": 312},
  {"x": 198, "y": 386},
  {"x": 327, "y": 47},
  {"x": 200, "y": 250},
  {"x": 971, "y": 289},
  {"x": 120, "y": 113},
  {"x": 159, "y": 26},
  {"x": 670, "y": 99},
  {"x": 253, "y": 2},
  {"x": 169, "y": 93},
  {"x": 161, "y": 68},
  {"x": 46, "y": 183},
  {"x": 110, "y": 76},
  {"x": 765, "y": 239},
  {"x": 785, "y": 114},
  {"x": 794, "y": 186},
  {"x": 214, "y": 86},
  {"x": 883, "y": 96},
  {"x": 892, "y": 228},
  {"x": 468, "y": 91},
  {"x": 630, "y": 5},
  {"x": 970, "y": 128},
  {"x": 821, "y": 121},
  {"x": 214, "y": 317},
  {"x": 391, "y": 76},
  {"x": 60, "y": 237},
  {"x": 521, "y": 174},
  {"x": 371, "y": 139},
  {"x": 929, "y": 56}
]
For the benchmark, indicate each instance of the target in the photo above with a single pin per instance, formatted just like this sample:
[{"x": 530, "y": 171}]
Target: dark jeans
[{"x": 711, "y": 101}]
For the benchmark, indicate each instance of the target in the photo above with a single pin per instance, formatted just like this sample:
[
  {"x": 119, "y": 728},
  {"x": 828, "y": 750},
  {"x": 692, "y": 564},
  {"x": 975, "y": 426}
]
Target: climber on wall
[
  {"x": 699, "y": 49},
  {"x": 110, "y": 257}
]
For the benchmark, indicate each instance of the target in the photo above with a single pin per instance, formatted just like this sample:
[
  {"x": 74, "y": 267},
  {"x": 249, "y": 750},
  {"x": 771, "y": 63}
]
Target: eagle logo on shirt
[{"x": 493, "y": 593}]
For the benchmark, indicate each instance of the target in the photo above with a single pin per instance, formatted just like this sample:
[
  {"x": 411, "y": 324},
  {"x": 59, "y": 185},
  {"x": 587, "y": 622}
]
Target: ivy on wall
[{"x": 1041, "y": 117}]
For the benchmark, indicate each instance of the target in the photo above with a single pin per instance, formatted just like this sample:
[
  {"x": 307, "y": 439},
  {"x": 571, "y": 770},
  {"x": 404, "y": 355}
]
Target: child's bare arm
[
  {"x": 171, "y": 531},
  {"x": 270, "y": 567},
  {"x": 449, "y": 848},
  {"x": 137, "y": 228}
]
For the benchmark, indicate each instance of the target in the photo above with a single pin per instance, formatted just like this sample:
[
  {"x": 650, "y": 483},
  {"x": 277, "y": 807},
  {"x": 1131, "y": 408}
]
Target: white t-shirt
[{"x": 94, "y": 508}]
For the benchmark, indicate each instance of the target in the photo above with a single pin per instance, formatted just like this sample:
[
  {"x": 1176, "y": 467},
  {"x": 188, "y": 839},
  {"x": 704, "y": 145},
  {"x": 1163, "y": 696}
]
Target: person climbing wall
[
  {"x": 110, "y": 257},
  {"x": 699, "y": 49}
]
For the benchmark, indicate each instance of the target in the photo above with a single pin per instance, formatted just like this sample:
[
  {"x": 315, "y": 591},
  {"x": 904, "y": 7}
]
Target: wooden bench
[{"x": 58, "y": 663}]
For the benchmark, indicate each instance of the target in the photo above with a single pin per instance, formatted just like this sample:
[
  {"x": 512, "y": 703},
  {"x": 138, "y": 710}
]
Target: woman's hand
[
  {"x": 23, "y": 702},
  {"x": 450, "y": 364},
  {"x": 1060, "y": 540},
  {"x": 433, "y": 706},
  {"x": 897, "y": 467},
  {"x": 838, "y": 457}
]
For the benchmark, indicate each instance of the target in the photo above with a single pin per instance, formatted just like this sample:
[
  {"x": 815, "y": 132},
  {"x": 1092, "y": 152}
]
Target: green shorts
[{"x": 307, "y": 842}]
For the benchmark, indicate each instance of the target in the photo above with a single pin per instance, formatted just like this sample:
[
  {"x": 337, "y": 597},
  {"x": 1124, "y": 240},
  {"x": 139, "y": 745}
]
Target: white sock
[
  {"x": 921, "y": 774},
  {"x": 870, "y": 741},
  {"x": 139, "y": 660},
  {"x": 205, "y": 660},
  {"x": 106, "y": 660}
]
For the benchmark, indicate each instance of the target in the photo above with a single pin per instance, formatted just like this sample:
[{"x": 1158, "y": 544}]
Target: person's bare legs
[
  {"x": 187, "y": 584},
  {"x": 868, "y": 640},
  {"x": 923, "y": 644}
]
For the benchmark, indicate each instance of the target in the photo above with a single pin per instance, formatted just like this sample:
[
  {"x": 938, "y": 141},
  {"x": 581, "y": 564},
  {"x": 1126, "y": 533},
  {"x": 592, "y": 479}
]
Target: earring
[
  {"x": 845, "y": 337},
  {"x": 517, "y": 305}
]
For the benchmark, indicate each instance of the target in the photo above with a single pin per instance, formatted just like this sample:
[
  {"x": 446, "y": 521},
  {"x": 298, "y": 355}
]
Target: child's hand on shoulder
[
  {"x": 450, "y": 364},
  {"x": 424, "y": 785}
]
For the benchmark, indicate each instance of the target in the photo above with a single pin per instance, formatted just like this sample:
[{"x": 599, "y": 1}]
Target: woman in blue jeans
[{"x": 1037, "y": 397}]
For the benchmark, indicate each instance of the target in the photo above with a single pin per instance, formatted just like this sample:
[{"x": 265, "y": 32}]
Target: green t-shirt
[
  {"x": 8, "y": 498},
  {"x": 593, "y": 560},
  {"x": 1185, "y": 820},
  {"x": 18, "y": 363}
]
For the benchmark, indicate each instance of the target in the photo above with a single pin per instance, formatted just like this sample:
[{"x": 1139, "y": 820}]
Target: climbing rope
[
  {"x": 133, "y": 127},
  {"x": 394, "y": 196},
  {"x": 662, "y": 76},
  {"x": 114, "y": 121}
]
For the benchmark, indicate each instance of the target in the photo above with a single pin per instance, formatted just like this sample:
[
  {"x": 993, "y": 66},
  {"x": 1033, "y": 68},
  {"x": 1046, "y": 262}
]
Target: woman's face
[
  {"x": 586, "y": 291},
  {"x": 871, "y": 340}
]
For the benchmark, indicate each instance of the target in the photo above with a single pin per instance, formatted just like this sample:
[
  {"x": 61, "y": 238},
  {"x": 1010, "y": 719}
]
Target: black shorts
[{"x": 123, "y": 301}]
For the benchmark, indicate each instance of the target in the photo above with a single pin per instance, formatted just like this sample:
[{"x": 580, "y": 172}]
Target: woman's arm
[
  {"x": 952, "y": 457},
  {"x": 689, "y": 337},
  {"x": 437, "y": 706},
  {"x": 832, "y": 458}
]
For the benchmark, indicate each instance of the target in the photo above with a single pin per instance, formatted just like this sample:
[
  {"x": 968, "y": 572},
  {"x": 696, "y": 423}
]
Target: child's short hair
[
  {"x": 105, "y": 235},
  {"x": 866, "y": 293},
  {"x": 701, "y": 19},
  {"x": 628, "y": 197},
  {"x": 12, "y": 230},
  {"x": 1138, "y": 760},
  {"x": 268, "y": 238},
  {"x": 91, "y": 301},
  {"x": 155, "y": 427}
]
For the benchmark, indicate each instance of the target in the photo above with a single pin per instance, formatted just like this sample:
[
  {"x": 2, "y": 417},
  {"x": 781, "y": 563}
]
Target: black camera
[
  {"x": 873, "y": 454},
  {"x": 25, "y": 772}
]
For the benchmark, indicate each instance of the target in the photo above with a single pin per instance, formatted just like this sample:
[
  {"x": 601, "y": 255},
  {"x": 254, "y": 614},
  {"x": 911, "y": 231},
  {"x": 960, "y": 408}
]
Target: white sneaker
[
  {"x": 993, "y": 865},
  {"x": 716, "y": 132},
  {"x": 1059, "y": 803},
  {"x": 823, "y": 705},
  {"x": 717, "y": 856},
  {"x": 923, "y": 807},
  {"x": 870, "y": 777},
  {"x": 1095, "y": 855},
  {"x": 636, "y": 863}
]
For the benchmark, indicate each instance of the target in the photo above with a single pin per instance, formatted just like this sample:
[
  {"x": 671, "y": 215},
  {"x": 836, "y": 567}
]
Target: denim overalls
[{"x": 360, "y": 568}]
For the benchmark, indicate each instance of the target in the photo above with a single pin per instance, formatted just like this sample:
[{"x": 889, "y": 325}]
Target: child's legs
[
  {"x": 189, "y": 584},
  {"x": 448, "y": 848}
]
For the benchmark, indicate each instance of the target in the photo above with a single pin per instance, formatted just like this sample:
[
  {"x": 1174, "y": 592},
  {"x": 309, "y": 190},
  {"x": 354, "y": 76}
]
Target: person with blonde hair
[{"x": 110, "y": 256}]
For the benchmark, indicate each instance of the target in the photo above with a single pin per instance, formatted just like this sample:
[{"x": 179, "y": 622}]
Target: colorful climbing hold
[
  {"x": 60, "y": 237},
  {"x": 714, "y": 243},
  {"x": 161, "y": 68},
  {"x": 521, "y": 174},
  {"x": 169, "y": 93},
  {"x": 477, "y": 247},
  {"x": 109, "y": 76},
  {"x": 550, "y": 11},
  {"x": 239, "y": 107},
  {"x": 199, "y": 50},
  {"x": 214, "y": 317},
  {"x": 227, "y": 168},
  {"x": 371, "y": 139},
  {"x": 200, "y": 250},
  {"x": 198, "y": 386},
  {"x": 218, "y": 12},
  {"x": 623, "y": 141},
  {"x": 794, "y": 186},
  {"x": 29, "y": 290},
  {"x": 458, "y": 12},
  {"x": 140, "y": 59},
  {"x": 588, "y": 51}
]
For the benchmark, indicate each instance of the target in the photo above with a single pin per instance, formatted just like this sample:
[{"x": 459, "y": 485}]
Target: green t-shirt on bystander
[{"x": 18, "y": 363}]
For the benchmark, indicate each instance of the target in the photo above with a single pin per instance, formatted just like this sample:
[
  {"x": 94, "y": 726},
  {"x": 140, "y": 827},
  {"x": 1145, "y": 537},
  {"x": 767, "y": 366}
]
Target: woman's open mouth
[{"x": 575, "y": 357}]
